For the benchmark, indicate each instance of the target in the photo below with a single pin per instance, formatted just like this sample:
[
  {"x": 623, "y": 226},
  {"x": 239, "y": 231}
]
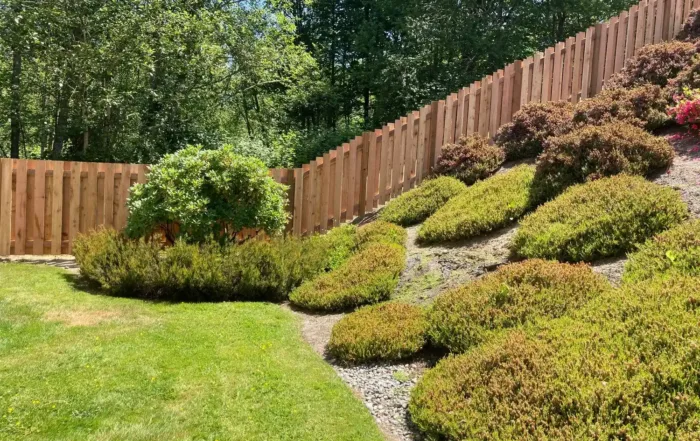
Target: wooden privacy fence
[{"x": 45, "y": 204}]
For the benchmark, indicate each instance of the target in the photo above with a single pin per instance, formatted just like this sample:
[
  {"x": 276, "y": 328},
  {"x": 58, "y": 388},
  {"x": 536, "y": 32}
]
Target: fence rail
[{"x": 45, "y": 204}]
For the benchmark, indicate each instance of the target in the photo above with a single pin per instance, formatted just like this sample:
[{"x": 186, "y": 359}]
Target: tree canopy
[{"x": 282, "y": 80}]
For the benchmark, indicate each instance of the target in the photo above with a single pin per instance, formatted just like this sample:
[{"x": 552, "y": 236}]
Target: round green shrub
[
  {"x": 622, "y": 367},
  {"x": 607, "y": 217},
  {"x": 524, "y": 136},
  {"x": 654, "y": 64},
  {"x": 418, "y": 204},
  {"x": 380, "y": 232},
  {"x": 469, "y": 160},
  {"x": 643, "y": 106},
  {"x": 691, "y": 28},
  {"x": 197, "y": 194},
  {"x": 485, "y": 206},
  {"x": 388, "y": 331},
  {"x": 369, "y": 276},
  {"x": 330, "y": 250},
  {"x": 510, "y": 297},
  {"x": 670, "y": 254},
  {"x": 593, "y": 152}
]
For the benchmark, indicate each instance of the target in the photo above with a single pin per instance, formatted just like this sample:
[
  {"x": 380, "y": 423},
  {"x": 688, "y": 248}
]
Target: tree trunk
[{"x": 15, "y": 111}]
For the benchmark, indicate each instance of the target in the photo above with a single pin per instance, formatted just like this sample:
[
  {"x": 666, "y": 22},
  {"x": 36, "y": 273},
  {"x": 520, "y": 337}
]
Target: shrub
[
  {"x": 593, "y": 152},
  {"x": 624, "y": 367},
  {"x": 368, "y": 277},
  {"x": 389, "y": 331},
  {"x": 514, "y": 295},
  {"x": 117, "y": 265},
  {"x": 655, "y": 64},
  {"x": 483, "y": 207},
  {"x": 691, "y": 28},
  {"x": 686, "y": 110},
  {"x": 254, "y": 270},
  {"x": 418, "y": 204},
  {"x": 531, "y": 126},
  {"x": 643, "y": 106},
  {"x": 671, "y": 253},
  {"x": 380, "y": 232},
  {"x": 601, "y": 218},
  {"x": 469, "y": 160},
  {"x": 195, "y": 194}
]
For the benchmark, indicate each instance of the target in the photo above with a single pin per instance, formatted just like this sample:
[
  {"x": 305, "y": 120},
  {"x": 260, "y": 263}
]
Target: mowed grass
[{"x": 80, "y": 366}]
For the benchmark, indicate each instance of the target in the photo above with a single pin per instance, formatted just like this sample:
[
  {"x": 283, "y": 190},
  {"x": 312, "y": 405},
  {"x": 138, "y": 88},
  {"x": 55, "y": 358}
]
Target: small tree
[{"x": 197, "y": 194}]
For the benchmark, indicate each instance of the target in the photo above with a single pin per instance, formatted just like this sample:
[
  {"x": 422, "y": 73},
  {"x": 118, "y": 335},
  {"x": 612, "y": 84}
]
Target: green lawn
[{"x": 80, "y": 366}]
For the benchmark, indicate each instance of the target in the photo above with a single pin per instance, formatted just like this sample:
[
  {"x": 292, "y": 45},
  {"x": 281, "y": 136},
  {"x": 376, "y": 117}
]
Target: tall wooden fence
[{"x": 45, "y": 204}]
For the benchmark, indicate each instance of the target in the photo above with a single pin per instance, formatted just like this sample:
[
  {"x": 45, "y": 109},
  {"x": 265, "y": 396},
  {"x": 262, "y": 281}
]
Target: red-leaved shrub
[
  {"x": 470, "y": 159},
  {"x": 655, "y": 64},
  {"x": 642, "y": 106}
]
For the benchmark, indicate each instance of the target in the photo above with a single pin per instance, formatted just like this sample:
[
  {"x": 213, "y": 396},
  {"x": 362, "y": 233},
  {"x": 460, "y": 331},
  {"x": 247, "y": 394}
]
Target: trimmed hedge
[
  {"x": 254, "y": 270},
  {"x": 643, "y": 106},
  {"x": 512, "y": 296},
  {"x": 389, "y": 331},
  {"x": 524, "y": 136},
  {"x": 369, "y": 276},
  {"x": 623, "y": 367},
  {"x": 380, "y": 232},
  {"x": 472, "y": 158},
  {"x": 673, "y": 253},
  {"x": 655, "y": 64},
  {"x": 483, "y": 207},
  {"x": 418, "y": 204},
  {"x": 593, "y": 152},
  {"x": 602, "y": 218}
]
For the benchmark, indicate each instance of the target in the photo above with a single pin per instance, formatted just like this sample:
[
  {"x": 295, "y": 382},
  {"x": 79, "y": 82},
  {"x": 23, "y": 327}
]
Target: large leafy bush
[
  {"x": 472, "y": 158},
  {"x": 512, "y": 296},
  {"x": 196, "y": 194},
  {"x": 486, "y": 206},
  {"x": 643, "y": 106},
  {"x": 369, "y": 276},
  {"x": 655, "y": 64},
  {"x": 531, "y": 126},
  {"x": 607, "y": 217},
  {"x": 388, "y": 331},
  {"x": 624, "y": 367},
  {"x": 673, "y": 253},
  {"x": 418, "y": 204},
  {"x": 593, "y": 152}
]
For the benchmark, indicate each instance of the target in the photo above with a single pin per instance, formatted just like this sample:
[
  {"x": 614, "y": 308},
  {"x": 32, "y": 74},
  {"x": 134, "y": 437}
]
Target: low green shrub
[
  {"x": 691, "y": 28},
  {"x": 117, "y": 265},
  {"x": 512, "y": 296},
  {"x": 471, "y": 159},
  {"x": 670, "y": 254},
  {"x": 624, "y": 367},
  {"x": 524, "y": 136},
  {"x": 369, "y": 276},
  {"x": 486, "y": 206},
  {"x": 418, "y": 204},
  {"x": 380, "y": 232},
  {"x": 643, "y": 106},
  {"x": 607, "y": 217},
  {"x": 254, "y": 270},
  {"x": 655, "y": 64},
  {"x": 388, "y": 331},
  {"x": 593, "y": 152}
]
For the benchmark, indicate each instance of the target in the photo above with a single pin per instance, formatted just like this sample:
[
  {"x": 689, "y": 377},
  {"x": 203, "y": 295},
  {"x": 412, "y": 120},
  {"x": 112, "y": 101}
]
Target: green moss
[
  {"x": 622, "y": 367},
  {"x": 672, "y": 253},
  {"x": 512, "y": 296},
  {"x": 486, "y": 206},
  {"x": 390, "y": 331},
  {"x": 369, "y": 276},
  {"x": 418, "y": 204},
  {"x": 607, "y": 217}
]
